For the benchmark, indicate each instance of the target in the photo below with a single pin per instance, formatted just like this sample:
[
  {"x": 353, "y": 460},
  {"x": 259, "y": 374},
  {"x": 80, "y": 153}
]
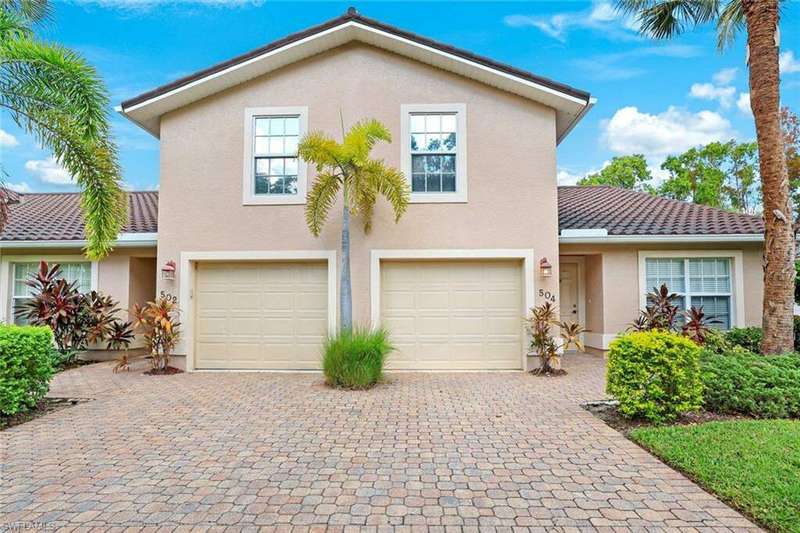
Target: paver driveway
[{"x": 466, "y": 450}]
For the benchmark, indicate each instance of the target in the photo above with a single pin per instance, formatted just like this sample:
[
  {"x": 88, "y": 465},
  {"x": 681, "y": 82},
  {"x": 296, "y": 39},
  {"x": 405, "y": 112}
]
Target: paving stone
[{"x": 420, "y": 452}]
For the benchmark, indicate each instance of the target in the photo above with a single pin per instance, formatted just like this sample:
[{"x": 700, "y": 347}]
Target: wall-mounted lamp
[
  {"x": 168, "y": 270},
  {"x": 545, "y": 268}
]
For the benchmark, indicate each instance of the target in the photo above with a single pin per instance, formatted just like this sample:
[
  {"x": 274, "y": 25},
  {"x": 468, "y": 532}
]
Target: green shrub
[
  {"x": 747, "y": 338},
  {"x": 752, "y": 385},
  {"x": 654, "y": 375},
  {"x": 25, "y": 367},
  {"x": 797, "y": 333},
  {"x": 355, "y": 359}
]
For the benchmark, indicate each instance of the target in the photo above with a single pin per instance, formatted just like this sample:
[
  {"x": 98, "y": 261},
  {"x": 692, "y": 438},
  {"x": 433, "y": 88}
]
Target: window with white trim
[
  {"x": 434, "y": 152},
  {"x": 79, "y": 272},
  {"x": 274, "y": 174},
  {"x": 698, "y": 281}
]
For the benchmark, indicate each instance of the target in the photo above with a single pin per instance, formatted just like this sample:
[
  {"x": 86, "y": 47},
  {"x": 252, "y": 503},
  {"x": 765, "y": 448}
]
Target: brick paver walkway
[{"x": 469, "y": 451}]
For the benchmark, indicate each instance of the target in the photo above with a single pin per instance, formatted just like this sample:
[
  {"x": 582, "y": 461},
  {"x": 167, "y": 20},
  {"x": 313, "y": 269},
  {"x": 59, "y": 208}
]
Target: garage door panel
[
  {"x": 453, "y": 314},
  {"x": 260, "y": 315}
]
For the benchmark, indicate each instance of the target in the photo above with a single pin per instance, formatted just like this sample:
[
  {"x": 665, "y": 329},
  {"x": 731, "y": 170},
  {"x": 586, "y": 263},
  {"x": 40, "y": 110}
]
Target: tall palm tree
[
  {"x": 663, "y": 19},
  {"x": 347, "y": 167},
  {"x": 53, "y": 94}
]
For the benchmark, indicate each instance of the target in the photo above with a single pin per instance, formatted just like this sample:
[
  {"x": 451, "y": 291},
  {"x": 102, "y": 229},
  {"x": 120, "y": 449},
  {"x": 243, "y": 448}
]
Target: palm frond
[
  {"x": 31, "y": 10},
  {"x": 663, "y": 19},
  {"x": 362, "y": 137},
  {"x": 54, "y": 95},
  {"x": 320, "y": 200},
  {"x": 12, "y": 26},
  {"x": 730, "y": 22},
  {"x": 320, "y": 149},
  {"x": 389, "y": 183}
]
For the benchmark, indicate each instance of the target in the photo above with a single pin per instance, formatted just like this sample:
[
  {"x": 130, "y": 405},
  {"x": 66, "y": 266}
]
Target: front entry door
[{"x": 568, "y": 289}]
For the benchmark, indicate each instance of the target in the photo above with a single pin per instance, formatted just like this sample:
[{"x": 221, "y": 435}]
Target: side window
[{"x": 433, "y": 152}]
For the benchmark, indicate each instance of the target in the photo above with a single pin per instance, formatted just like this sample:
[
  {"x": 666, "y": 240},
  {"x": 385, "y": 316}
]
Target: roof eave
[
  {"x": 663, "y": 239},
  {"x": 125, "y": 240},
  {"x": 145, "y": 110}
]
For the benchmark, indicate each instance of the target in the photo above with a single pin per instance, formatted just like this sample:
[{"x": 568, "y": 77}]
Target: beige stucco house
[{"x": 452, "y": 280}]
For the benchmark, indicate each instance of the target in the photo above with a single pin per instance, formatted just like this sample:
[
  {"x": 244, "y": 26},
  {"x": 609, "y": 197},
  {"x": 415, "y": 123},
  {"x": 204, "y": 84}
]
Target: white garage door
[
  {"x": 453, "y": 314},
  {"x": 260, "y": 315}
]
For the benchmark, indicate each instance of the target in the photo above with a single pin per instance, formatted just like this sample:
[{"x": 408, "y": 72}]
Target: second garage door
[
  {"x": 453, "y": 314},
  {"x": 260, "y": 315}
]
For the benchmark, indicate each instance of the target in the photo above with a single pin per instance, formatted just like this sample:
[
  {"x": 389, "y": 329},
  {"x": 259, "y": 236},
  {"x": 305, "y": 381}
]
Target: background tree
[
  {"x": 723, "y": 175},
  {"x": 53, "y": 94},
  {"x": 626, "y": 172},
  {"x": 790, "y": 124},
  {"x": 347, "y": 167},
  {"x": 663, "y": 19}
]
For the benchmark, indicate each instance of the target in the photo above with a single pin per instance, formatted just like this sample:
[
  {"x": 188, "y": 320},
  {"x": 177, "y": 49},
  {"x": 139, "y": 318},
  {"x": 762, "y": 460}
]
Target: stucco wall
[
  {"x": 619, "y": 275},
  {"x": 511, "y": 166}
]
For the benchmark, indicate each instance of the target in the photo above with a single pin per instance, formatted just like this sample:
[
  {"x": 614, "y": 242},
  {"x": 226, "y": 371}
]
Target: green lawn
[{"x": 753, "y": 465}]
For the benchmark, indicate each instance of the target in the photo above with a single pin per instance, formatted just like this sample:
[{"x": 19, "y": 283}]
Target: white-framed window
[
  {"x": 273, "y": 173},
  {"x": 434, "y": 150},
  {"x": 21, "y": 271},
  {"x": 707, "y": 279}
]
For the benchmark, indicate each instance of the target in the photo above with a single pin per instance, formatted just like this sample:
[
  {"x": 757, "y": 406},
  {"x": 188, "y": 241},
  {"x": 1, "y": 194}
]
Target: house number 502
[{"x": 547, "y": 295}]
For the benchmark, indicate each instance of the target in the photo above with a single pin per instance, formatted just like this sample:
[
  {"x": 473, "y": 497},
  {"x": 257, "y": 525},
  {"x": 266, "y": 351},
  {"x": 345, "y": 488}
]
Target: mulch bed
[
  {"x": 170, "y": 370},
  {"x": 608, "y": 413},
  {"x": 47, "y": 405},
  {"x": 548, "y": 373}
]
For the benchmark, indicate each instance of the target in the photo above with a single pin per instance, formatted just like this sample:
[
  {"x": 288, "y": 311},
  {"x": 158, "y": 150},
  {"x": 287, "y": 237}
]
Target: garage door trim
[
  {"x": 526, "y": 255},
  {"x": 187, "y": 282}
]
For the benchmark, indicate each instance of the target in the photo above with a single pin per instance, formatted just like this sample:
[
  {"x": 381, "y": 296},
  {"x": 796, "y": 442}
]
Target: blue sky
[{"x": 654, "y": 97}]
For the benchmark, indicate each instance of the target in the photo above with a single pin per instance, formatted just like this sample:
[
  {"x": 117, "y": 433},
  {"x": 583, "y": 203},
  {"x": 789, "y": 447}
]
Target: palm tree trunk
[
  {"x": 779, "y": 246},
  {"x": 345, "y": 288}
]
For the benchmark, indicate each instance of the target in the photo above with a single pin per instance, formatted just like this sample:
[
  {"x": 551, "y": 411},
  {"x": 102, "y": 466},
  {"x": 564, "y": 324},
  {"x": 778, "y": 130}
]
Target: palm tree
[
  {"x": 663, "y": 19},
  {"x": 53, "y": 94},
  {"x": 347, "y": 167}
]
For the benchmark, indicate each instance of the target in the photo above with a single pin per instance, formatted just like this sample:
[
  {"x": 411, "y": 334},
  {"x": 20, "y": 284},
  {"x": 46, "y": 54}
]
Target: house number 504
[{"x": 547, "y": 295}]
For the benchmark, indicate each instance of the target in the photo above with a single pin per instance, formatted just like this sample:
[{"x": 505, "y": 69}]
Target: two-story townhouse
[{"x": 488, "y": 233}]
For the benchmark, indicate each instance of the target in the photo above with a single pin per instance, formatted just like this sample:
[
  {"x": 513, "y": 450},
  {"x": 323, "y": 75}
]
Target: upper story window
[
  {"x": 434, "y": 152},
  {"x": 274, "y": 174}
]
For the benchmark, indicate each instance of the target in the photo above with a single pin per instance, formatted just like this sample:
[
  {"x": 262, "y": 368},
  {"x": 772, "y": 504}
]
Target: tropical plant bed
[
  {"x": 753, "y": 465},
  {"x": 548, "y": 372},
  {"x": 608, "y": 413},
  {"x": 45, "y": 406}
]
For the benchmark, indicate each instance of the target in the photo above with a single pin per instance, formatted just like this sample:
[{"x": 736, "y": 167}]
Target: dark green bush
[
  {"x": 753, "y": 385},
  {"x": 655, "y": 375},
  {"x": 355, "y": 359},
  {"x": 25, "y": 366},
  {"x": 747, "y": 338},
  {"x": 797, "y": 333}
]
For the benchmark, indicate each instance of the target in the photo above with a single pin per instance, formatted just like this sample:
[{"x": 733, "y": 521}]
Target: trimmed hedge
[
  {"x": 752, "y": 385},
  {"x": 747, "y": 338},
  {"x": 25, "y": 366},
  {"x": 355, "y": 359},
  {"x": 654, "y": 375}
]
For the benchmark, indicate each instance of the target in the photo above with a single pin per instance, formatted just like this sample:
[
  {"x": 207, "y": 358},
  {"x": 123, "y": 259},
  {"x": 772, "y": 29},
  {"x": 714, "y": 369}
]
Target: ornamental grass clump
[
  {"x": 354, "y": 359},
  {"x": 655, "y": 375}
]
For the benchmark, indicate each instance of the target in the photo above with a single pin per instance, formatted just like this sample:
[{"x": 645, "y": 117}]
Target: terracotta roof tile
[
  {"x": 626, "y": 212},
  {"x": 57, "y": 216}
]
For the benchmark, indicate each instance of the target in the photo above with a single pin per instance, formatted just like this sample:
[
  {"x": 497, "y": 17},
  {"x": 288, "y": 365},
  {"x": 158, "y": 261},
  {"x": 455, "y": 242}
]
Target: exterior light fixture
[
  {"x": 168, "y": 270},
  {"x": 545, "y": 268}
]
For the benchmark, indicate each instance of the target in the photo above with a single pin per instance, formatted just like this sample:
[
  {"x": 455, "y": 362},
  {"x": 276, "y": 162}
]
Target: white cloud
[
  {"x": 602, "y": 15},
  {"x": 49, "y": 171},
  {"x": 725, "y": 76},
  {"x": 788, "y": 63},
  {"x": 565, "y": 177},
  {"x": 22, "y": 186},
  {"x": 709, "y": 91},
  {"x": 630, "y": 131},
  {"x": 743, "y": 103},
  {"x": 7, "y": 140}
]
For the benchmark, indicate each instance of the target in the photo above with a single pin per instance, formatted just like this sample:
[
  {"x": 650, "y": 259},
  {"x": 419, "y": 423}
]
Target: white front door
[{"x": 568, "y": 289}]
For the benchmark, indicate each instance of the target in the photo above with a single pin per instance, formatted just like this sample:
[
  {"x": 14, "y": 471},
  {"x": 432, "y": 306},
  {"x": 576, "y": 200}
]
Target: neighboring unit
[{"x": 452, "y": 280}]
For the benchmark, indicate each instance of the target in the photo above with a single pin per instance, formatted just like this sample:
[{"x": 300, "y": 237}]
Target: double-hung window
[
  {"x": 698, "y": 281},
  {"x": 434, "y": 152},
  {"x": 274, "y": 174},
  {"x": 79, "y": 272}
]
